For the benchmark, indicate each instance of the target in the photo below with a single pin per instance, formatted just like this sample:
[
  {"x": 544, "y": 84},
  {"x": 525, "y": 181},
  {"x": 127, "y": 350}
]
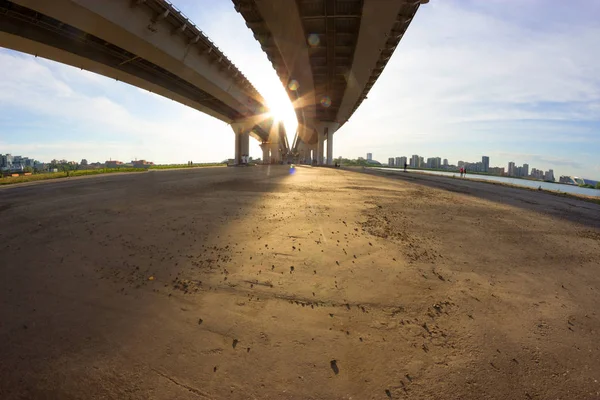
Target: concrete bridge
[
  {"x": 149, "y": 44},
  {"x": 328, "y": 54}
]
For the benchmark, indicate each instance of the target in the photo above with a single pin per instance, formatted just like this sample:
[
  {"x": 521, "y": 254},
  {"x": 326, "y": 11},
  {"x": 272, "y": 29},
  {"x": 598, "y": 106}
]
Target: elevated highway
[
  {"x": 328, "y": 54},
  {"x": 149, "y": 44}
]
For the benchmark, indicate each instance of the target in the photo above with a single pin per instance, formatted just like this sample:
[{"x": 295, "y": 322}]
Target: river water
[{"x": 555, "y": 187}]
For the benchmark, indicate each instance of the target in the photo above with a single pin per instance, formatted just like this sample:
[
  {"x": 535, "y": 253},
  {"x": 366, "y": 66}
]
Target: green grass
[
  {"x": 173, "y": 166},
  {"x": 55, "y": 175}
]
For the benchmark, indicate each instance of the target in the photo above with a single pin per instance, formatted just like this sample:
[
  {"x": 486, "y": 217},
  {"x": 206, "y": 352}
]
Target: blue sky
[{"x": 516, "y": 80}]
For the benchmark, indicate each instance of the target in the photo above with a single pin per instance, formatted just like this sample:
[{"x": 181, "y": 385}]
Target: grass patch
[
  {"x": 83, "y": 172},
  {"x": 55, "y": 175}
]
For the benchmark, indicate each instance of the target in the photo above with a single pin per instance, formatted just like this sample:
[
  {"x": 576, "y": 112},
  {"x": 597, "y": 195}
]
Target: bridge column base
[
  {"x": 266, "y": 157},
  {"x": 242, "y": 147},
  {"x": 275, "y": 153},
  {"x": 329, "y": 146},
  {"x": 320, "y": 145},
  {"x": 325, "y": 131}
]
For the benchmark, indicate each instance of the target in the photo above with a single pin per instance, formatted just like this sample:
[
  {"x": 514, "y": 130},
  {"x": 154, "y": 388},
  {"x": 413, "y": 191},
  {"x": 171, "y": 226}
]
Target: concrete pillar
[
  {"x": 246, "y": 144},
  {"x": 275, "y": 153},
  {"x": 242, "y": 145},
  {"x": 329, "y": 133},
  {"x": 237, "y": 159},
  {"x": 266, "y": 157},
  {"x": 320, "y": 144},
  {"x": 325, "y": 130},
  {"x": 304, "y": 156}
]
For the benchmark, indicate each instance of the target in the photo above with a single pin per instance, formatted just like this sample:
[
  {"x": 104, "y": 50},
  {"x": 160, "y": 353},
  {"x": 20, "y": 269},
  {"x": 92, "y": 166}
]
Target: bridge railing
[{"x": 229, "y": 65}]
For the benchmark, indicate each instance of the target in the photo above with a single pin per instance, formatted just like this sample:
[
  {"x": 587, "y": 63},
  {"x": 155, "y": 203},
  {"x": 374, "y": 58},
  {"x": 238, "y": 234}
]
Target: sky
[{"x": 516, "y": 80}]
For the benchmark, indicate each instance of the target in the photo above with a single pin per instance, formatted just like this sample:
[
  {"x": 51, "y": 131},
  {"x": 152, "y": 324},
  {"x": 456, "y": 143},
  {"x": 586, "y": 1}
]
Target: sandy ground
[{"x": 251, "y": 283}]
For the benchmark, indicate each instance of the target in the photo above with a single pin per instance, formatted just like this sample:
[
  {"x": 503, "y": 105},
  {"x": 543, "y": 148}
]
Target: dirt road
[{"x": 256, "y": 283}]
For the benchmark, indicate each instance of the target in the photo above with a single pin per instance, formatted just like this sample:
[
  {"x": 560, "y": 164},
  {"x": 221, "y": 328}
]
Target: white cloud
[
  {"x": 461, "y": 75},
  {"x": 177, "y": 134}
]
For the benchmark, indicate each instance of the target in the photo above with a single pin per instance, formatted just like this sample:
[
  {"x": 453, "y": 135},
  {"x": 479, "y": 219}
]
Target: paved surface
[{"x": 252, "y": 283}]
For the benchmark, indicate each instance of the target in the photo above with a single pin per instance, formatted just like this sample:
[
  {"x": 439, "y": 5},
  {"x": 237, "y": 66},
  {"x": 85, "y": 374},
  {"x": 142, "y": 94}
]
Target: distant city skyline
[
  {"x": 18, "y": 163},
  {"x": 512, "y": 170}
]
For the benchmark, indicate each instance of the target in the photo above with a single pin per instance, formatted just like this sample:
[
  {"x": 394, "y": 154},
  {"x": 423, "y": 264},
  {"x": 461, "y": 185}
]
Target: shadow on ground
[{"x": 101, "y": 278}]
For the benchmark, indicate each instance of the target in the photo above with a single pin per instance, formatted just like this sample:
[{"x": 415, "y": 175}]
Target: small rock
[{"x": 334, "y": 367}]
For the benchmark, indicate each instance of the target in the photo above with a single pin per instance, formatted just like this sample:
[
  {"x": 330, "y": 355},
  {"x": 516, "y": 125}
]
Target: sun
[{"x": 281, "y": 108}]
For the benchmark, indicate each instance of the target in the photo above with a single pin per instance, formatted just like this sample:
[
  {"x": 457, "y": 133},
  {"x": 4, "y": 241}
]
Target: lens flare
[
  {"x": 325, "y": 101},
  {"x": 293, "y": 85},
  {"x": 313, "y": 40}
]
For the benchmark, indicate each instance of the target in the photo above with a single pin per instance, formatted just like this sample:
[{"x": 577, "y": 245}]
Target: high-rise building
[
  {"x": 518, "y": 171},
  {"x": 549, "y": 176},
  {"x": 421, "y": 162},
  {"x": 445, "y": 162},
  {"x": 537, "y": 173},
  {"x": 369, "y": 156},
  {"x": 485, "y": 160},
  {"x": 414, "y": 161},
  {"x": 525, "y": 170},
  {"x": 391, "y": 162},
  {"x": 398, "y": 162},
  {"x": 402, "y": 161},
  {"x": 511, "y": 169}
]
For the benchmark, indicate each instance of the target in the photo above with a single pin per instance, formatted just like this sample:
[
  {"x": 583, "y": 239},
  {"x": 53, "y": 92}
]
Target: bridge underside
[
  {"x": 345, "y": 44},
  {"x": 30, "y": 24},
  {"x": 26, "y": 30}
]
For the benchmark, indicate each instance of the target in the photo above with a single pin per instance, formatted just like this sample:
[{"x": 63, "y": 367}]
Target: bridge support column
[
  {"x": 329, "y": 146},
  {"x": 275, "y": 153},
  {"x": 266, "y": 157},
  {"x": 320, "y": 145},
  {"x": 304, "y": 153},
  {"x": 325, "y": 131},
  {"x": 242, "y": 146},
  {"x": 307, "y": 155}
]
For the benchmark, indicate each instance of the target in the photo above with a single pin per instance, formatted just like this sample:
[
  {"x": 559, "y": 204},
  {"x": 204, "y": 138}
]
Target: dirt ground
[{"x": 254, "y": 283}]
